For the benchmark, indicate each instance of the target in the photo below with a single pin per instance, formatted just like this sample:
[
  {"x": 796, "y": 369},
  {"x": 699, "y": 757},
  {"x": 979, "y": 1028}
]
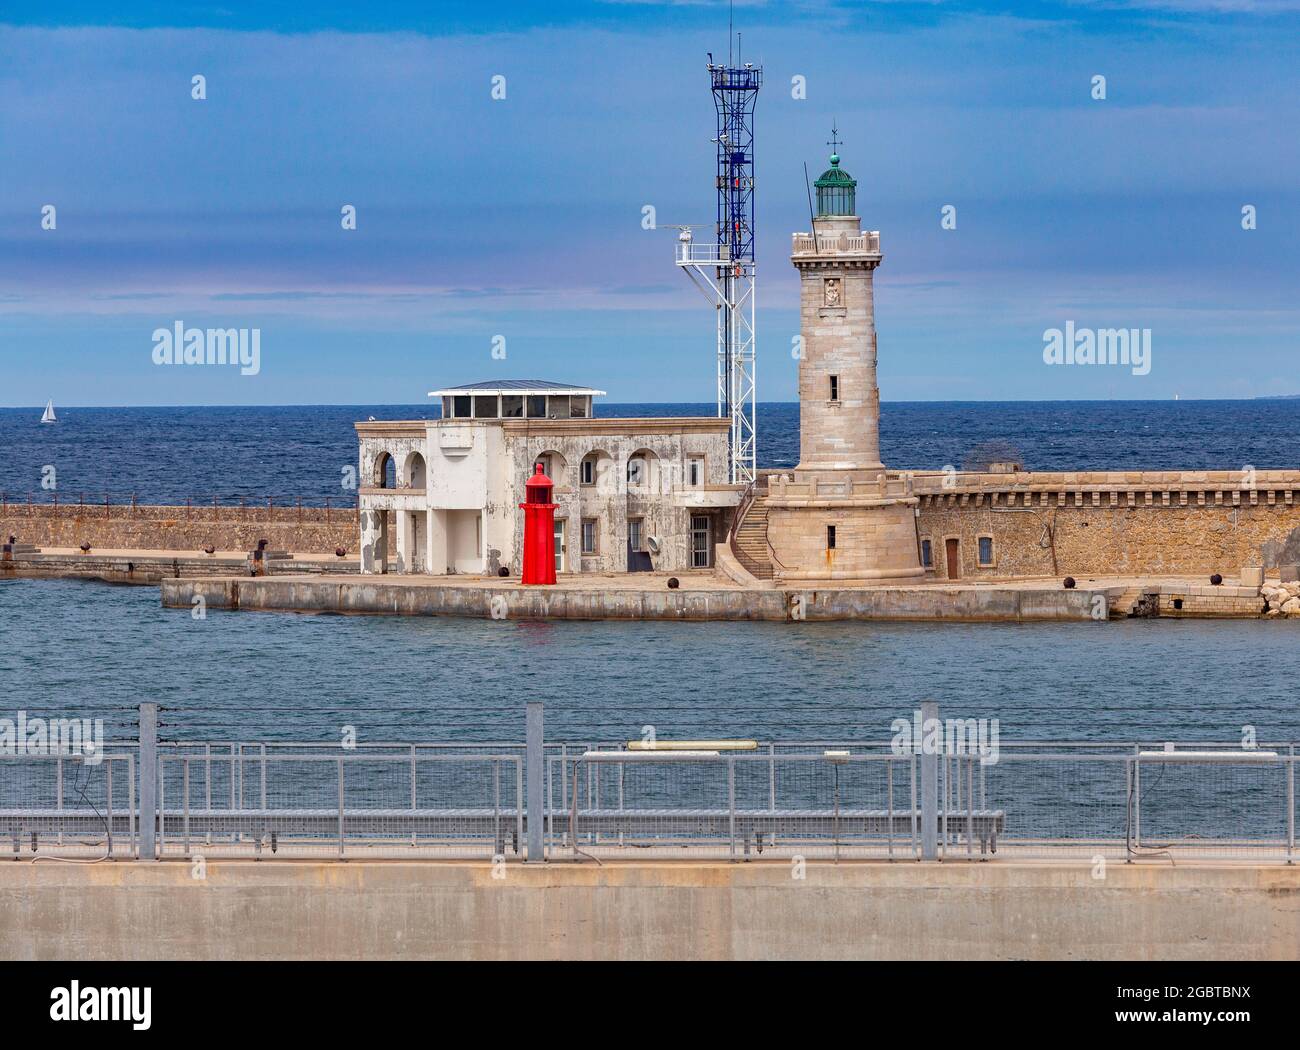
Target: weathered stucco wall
[
  {"x": 311, "y": 530},
  {"x": 1192, "y": 523},
  {"x": 655, "y": 494},
  {"x": 246, "y": 910}
]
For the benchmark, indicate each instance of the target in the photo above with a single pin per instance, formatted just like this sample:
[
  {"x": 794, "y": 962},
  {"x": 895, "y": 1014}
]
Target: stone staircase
[
  {"x": 750, "y": 546},
  {"x": 1125, "y": 605}
]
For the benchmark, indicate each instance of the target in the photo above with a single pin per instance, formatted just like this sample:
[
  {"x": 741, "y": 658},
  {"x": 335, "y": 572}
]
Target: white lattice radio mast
[{"x": 725, "y": 270}]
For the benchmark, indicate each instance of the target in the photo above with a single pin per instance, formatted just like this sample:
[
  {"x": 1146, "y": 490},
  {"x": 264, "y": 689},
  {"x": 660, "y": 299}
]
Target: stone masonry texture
[{"x": 311, "y": 530}]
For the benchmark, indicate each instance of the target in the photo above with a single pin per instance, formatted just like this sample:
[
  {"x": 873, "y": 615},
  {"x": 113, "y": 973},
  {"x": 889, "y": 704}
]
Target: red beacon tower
[{"x": 539, "y": 529}]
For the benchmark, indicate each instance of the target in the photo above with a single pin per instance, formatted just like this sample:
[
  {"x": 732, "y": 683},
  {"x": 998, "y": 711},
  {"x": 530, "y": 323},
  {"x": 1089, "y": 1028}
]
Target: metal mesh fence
[
  {"x": 741, "y": 806},
  {"x": 67, "y": 806},
  {"x": 826, "y": 800},
  {"x": 1233, "y": 806},
  {"x": 1056, "y": 805},
  {"x": 421, "y": 803}
]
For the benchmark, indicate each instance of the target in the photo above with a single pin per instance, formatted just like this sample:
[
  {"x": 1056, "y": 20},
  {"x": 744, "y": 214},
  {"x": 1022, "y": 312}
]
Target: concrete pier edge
[
  {"x": 368, "y": 596},
  {"x": 669, "y": 910}
]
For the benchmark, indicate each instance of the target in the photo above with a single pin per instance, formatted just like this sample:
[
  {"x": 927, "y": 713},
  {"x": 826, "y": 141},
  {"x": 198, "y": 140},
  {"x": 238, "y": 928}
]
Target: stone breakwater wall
[
  {"x": 305, "y": 530},
  {"x": 1190, "y": 523},
  {"x": 144, "y": 568}
]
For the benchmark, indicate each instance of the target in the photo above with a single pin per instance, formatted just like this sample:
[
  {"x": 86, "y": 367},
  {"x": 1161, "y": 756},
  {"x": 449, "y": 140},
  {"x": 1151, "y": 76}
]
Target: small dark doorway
[{"x": 951, "y": 548}]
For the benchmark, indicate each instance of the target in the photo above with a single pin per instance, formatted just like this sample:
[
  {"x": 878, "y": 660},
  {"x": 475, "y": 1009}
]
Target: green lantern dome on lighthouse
[{"x": 836, "y": 189}]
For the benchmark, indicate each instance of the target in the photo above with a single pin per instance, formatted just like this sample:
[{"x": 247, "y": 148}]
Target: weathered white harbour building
[{"x": 441, "y": 496}]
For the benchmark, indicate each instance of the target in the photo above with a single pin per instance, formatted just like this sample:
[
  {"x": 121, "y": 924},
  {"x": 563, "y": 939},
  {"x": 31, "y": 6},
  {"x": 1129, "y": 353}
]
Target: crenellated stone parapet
[{"x": 1106, "y": 488}]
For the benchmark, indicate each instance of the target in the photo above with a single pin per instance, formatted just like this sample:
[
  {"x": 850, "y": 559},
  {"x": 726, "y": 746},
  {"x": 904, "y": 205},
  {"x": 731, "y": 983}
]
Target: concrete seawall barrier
[
  {"x": 380, "y": 596},
  {"x": 397, "y": 910}
]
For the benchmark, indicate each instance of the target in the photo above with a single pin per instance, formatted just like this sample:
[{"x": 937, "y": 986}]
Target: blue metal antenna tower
[{"x": 725, "y": 270}]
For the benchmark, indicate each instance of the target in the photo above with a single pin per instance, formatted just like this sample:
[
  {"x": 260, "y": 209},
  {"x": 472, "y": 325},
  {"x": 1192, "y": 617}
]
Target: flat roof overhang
[{"x": 493, "y": 391}]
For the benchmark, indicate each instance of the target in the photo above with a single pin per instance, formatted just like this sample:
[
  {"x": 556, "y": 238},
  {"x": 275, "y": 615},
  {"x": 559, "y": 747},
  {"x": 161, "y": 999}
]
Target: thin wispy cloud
[{"x": 523, "y": 217}]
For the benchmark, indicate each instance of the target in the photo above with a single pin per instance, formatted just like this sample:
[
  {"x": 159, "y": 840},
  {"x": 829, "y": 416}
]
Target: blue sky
[{"x": 521, "y": 218}]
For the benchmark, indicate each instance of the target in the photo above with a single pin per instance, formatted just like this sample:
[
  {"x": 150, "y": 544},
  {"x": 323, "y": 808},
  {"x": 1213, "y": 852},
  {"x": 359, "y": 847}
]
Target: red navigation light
[{"x": 539, "y": 529}]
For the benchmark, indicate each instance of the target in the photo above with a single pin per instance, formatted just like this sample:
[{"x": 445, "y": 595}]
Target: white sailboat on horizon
[{"x": 49, "y": 417}]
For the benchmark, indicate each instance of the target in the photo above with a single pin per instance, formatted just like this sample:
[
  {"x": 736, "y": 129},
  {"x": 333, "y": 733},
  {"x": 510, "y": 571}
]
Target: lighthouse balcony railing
[
  {"x": 828, "y": 244},
  {"x": 784, "y": 487}
]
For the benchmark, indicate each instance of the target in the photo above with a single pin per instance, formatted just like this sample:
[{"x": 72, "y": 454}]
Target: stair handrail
[
  {"x": 742, "y": 508},
  {"x": 777, "y": 563}
]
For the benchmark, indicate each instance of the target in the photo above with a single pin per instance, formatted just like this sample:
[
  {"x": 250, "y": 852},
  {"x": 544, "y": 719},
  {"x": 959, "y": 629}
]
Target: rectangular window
[
  {"x": 986, "y": 550},
  {"x": 557, "y": 406},
  {"x": 485, "y": 406},
  {"x": 588, "y": 535},
  {"x": 589, "y": 471},
  {"x": 830, "y": 537},
  {"x": 446, "y": 408},
  {"x": 695, "y": 473},
  {"x": 536, "y": 406},
  {"x": 460, "y": 406},
  {"x": 835, "y": 388},
  {"x": 579, "y": 407},
  {"x": 927, "y": 554},
  {"x": 634, "y": 533},
  {"x": 512, "y": 406}
]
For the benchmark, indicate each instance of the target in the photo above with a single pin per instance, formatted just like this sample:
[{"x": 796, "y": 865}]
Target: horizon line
[{"x": 890, "y": 401}]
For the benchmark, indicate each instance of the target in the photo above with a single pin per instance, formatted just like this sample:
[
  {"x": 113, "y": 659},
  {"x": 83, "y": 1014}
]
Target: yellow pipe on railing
[{"x": 692, "y": 745}]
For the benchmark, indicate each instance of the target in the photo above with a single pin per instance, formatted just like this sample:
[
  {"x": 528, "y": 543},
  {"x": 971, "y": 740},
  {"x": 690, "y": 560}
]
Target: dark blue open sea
[
  {"x": 92, "y": 649},
  {"x": 287, "y": 453}
]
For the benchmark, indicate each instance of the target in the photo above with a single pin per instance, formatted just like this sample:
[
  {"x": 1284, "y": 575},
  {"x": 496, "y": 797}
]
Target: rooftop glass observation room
[{"x": 517, "y": 399}]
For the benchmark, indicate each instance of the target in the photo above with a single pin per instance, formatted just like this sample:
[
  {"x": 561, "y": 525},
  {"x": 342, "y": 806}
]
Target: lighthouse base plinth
[{"x": 826, "y": 526}]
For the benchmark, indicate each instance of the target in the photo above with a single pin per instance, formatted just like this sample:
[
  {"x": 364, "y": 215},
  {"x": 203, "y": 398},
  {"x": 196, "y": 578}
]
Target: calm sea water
[
  {"x": 97, "y": 650},
  {"x": 171, "y": 454}
]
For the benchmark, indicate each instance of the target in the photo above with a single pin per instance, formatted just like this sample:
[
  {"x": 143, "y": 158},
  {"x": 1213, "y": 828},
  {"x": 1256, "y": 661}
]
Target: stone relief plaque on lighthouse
[{"x": 831, "y": 294}]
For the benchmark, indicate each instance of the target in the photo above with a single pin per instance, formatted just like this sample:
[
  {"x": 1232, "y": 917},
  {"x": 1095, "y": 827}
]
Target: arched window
[
  {"x": 385, "y": 473},
  {"x": 642, "y": 470},
  {"x": 597, "y": 470},
  {"x": 416, "y": 475},
  {"x": 554, "y": 466}
]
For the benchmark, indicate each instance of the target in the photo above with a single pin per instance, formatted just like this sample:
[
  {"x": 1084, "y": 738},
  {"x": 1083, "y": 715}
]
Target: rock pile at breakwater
[{"x": 1283, "y": 598}]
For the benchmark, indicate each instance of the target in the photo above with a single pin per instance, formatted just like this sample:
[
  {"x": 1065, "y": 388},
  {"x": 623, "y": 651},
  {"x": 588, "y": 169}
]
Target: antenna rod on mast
[{"x": 812, "y": 218}]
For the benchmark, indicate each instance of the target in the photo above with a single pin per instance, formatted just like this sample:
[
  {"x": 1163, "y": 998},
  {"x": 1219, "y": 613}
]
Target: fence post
[
  {"x": 1290, "y": 805},
  {"x": 535, "y": 760},
  {"x": 148, "y": 781},
  {"x": 1137, "y": 798},
  {"x": 731, "y": 808},
  {"x": 929, "y": 786},
  {"x": 341, "y": 811}
]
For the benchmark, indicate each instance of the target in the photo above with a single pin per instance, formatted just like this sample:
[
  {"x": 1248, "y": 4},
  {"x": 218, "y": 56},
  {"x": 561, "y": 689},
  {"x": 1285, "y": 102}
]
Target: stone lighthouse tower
[{"x": 840, "y": 516}]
